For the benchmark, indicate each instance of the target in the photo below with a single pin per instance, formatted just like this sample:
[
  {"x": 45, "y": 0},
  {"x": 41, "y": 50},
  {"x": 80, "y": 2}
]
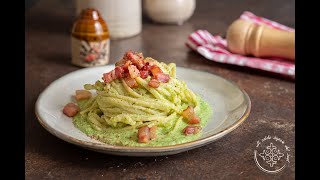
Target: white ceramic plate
[{"x": 231, "y": 106}]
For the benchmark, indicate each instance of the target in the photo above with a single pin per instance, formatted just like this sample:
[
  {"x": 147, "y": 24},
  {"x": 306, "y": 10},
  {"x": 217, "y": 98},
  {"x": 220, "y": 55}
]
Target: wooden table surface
[{"x": 47, "y": 48}]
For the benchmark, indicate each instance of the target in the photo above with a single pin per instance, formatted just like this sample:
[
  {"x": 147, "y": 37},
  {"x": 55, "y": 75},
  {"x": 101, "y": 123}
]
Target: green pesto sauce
[{"x": 128, "y": 136}]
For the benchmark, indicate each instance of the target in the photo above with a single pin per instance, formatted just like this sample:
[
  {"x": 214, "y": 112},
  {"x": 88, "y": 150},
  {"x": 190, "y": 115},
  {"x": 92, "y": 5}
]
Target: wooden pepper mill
[
  {"x": 246, "y": 38},
  {"x": 90, "y": 42}
]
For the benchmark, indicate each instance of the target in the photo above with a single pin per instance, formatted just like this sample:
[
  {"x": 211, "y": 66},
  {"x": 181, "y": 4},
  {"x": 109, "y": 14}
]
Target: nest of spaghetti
[{"x": 140, "y": 93}]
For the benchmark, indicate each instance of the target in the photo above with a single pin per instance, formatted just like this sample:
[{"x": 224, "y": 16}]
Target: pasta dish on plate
[{"x": 139, "y": 103}]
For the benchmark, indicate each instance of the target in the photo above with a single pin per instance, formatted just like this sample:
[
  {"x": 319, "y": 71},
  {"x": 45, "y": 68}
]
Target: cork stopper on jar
[
  {"x": 90, "y": 40},
  {"x": 90, "y": 26}
]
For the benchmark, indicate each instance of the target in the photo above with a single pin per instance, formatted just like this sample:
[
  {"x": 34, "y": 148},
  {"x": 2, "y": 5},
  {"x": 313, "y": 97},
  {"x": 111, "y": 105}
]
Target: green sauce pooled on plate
[{"x": 128, "y": 136}]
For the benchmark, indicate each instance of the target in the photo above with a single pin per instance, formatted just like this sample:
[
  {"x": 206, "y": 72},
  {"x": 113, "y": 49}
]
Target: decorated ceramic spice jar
[{"x": 90, "y": 40}]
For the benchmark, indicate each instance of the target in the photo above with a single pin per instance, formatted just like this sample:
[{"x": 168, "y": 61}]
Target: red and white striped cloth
[{"x": 215, "y": 48}]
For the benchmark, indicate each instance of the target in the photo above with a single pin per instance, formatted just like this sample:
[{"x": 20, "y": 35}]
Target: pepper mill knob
[{"x": 247, "y": 38}]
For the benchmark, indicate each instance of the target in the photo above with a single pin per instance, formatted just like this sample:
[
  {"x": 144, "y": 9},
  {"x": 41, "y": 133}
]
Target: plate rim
[{"x": 142, "y": 149}]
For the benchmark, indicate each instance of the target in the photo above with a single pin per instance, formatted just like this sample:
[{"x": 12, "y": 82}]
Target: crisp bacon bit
[
  {"x": 162, "y": 77},
  {"x": 189, "y": 130},
  {"x": 82, "y": 94},
  {"x": 121, "y": 62},
  {"x": 146, "y": 67},
  {"x": 158, "y": 74},
  {"x": 145, "y": 71},
  {"x": 194, "y": 120},
  {"x": 119, "y": 72},
  {"x": 107, "y": 77},
  {"x": 133, "y": 71},
  {"x": 190, "y": 115},
  {"x": 112, "y": 75},
  {"x": 131, "y": 57},
  {"x": 135, "y": 58},
  {"x": 153, "y": 132},
  {"x": 132, "y": 83},
  {"x": 71, "y": 109},
  {"x": 154, "y": 83},
  {"x": 144, "y": 134},
  {"x": 155, "y": 70},
  {"x": 127, "y": 64},
  {"x": 144, "y": 74}
]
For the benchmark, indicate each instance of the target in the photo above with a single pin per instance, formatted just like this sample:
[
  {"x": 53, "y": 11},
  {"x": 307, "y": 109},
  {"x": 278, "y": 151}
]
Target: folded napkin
[{"x": 215, "y": 48}]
